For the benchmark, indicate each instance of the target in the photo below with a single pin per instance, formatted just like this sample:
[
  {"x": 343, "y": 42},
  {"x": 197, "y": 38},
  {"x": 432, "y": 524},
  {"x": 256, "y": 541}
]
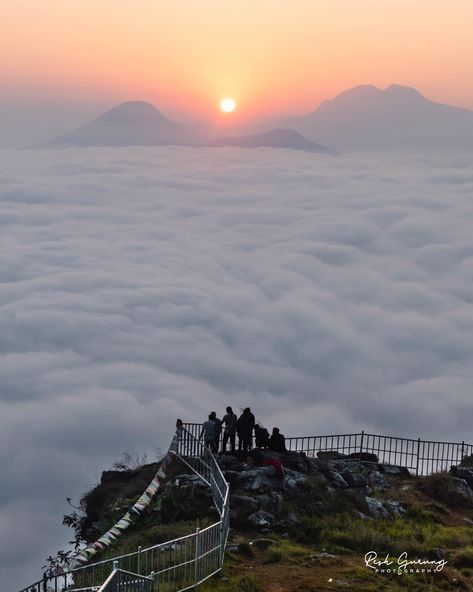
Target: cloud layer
[{"x": 136, "y": 286}]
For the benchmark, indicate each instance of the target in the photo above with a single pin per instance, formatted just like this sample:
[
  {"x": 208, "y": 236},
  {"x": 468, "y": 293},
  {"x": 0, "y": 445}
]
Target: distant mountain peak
[
  {"x": 368, "y": 118},
  {"x": 134, "y": 111},
  {"x": 276, "y": 138},
  {"x": 363, "y": 92},
  {"x": 132, "y": 123},
  {"x": 369, "y": 92},
  {"x": 406, "y": 91}
]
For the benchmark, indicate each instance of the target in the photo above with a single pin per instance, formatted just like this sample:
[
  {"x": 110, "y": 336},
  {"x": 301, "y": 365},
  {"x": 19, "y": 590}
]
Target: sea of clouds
[{"x": 331, "y": 294}]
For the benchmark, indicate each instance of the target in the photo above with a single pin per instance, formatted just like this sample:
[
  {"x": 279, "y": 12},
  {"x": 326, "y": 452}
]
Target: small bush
[
  {"x": 273, "y": 555},
  {"x": 440, "y": 486},
  {"x": 244, "y": 548},
  {"x": 464, "y": 558},
  {"x": 284, "y": 552},
  {"x": 246, "y": 583},
  {"x": 309, "y": 531}
]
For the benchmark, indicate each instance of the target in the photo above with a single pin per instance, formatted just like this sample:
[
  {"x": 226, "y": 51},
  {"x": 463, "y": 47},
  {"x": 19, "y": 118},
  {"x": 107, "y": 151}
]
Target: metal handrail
[
  {"x": 421, "y": 457},
  {"x": 179, "y": 564},
  {"x": 120, "y": 580}
]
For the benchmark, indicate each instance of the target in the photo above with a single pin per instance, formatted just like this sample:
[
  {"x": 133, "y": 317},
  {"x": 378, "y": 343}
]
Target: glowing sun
[{"x": 227, "y": 105}]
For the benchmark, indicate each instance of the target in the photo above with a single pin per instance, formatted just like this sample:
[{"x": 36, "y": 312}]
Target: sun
[{"x": 228, "y": 105}]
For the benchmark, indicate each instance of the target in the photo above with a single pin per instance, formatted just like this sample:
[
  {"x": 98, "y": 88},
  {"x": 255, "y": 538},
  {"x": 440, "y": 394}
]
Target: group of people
[{"x": 243, "y": 427}]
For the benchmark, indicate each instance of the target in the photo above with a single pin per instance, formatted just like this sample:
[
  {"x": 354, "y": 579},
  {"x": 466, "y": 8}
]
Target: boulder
[
  {"x": 297, "y": 461},
  {"x": 461, "y": 487},
  {"x": 261, "y": 520},
  {"x": 293, "y": 520},
  {"x": 376, "y": 508},
  {"x": 394, "y": 508},
  {"x": 354, "y": 479},
  {"x": 377, "y": 480},
  {"x": 395, "y": 471},
  {"x": 337, "y": 480},
  {"x": 239, "y": 478},
  {"x": 244, "y": 503},
  {"x": 230, "y": 463},
  {"x": 261, "y": 483},
  {"x": 364, "y": 456},
  {"x": 330, "y": 455},
  {"x": 272, "y": 502},
  {"x": 292, "y": 479},
  {"x": 348, "y": 465},
  {"x": 465, "y": 473}
]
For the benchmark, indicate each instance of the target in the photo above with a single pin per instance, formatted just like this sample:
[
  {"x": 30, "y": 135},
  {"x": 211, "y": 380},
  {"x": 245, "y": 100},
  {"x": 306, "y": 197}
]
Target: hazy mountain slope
[
  {"x": 278, "y": 138},
  {"x": 132, "y": 123},
  {"x": 367, "y": 118}
]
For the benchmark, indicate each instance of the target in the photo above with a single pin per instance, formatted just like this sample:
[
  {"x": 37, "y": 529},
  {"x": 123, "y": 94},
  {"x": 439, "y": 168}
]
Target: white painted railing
[{"x": 177, "y": 565}]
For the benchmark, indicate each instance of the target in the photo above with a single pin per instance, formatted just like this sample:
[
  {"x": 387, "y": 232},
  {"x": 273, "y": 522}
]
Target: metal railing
[
  {"x": 174, "y": 566},
  {"x": 125, "y": 581},
  {"x": 421, "y": 457}
]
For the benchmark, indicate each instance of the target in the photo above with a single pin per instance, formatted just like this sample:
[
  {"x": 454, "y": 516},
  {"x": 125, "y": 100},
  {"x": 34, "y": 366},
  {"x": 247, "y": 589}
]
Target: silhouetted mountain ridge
[
  {"x": 399, "y": 118},
  {"x": 128, "y": 124},
  {"x": 278, "y": 138}
]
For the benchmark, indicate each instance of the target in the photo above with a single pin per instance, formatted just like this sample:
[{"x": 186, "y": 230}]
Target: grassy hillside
[{"x": 317, "y": 529}]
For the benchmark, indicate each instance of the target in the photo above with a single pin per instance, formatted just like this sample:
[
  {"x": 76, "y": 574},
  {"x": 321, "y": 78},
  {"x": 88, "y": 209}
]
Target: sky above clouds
[
  {"x": 331, "y": 294},
  {"x": 63, "y": 63}
]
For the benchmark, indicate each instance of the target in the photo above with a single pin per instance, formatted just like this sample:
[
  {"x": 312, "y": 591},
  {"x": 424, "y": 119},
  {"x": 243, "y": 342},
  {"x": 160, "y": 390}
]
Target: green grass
[
  {"x": 345, "y": 533},
  {"x": 242, "y": 583}
]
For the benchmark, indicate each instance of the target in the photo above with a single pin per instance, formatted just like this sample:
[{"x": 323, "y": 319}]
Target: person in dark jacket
[
  {"x": 245, "y": 426},
  {"x": 218, "y": 430},
  {"x": 230, "y": 421},
  {"x": 277, "y": 442},
  {"x": 261, "y": 437}
]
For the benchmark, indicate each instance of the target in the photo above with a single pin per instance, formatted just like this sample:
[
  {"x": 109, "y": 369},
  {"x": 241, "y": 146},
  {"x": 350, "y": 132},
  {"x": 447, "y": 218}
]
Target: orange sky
[{"x": 273, "y": 57}]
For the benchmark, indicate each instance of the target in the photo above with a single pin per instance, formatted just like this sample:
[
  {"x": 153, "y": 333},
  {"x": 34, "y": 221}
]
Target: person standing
[
  {"x": 230, "y": 421},
  {"x": 245, "y": 426},
  {"x": 218, "y": 430},
  {"x": 208, "y": 432}
]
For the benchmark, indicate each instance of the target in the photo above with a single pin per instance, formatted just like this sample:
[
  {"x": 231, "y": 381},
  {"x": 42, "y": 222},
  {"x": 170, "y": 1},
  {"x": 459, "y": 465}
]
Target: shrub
[
  {"x": 309, "y": 531},
  {"x": 244, "y": 548},
  {"x": 246, "y": 583},
  {"x": 440, "y": 486},
  {"x": 464, "y": 558},
  {"x": 286, "y": 551}
]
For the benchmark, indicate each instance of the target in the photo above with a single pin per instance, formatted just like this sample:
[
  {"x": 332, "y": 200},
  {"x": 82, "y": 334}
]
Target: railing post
[
  {"x": 138, "y": 566},
  {"x": 463, "y": 451},
  {"x": 197, "y": 552},
  {"x": 361, "y": 443},
  {"x": 115, "y": 565},
  {"x": 418, "y": 456},
  {"x": 222, "y": 537}
]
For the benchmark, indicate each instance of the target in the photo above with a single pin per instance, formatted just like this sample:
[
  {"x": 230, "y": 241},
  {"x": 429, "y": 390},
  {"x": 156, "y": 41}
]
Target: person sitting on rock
[
  {"x": 277, "y": 442},
  {"x": 208, "y": 432},
  {"x": 261, "y": 437},
  {"x": 272, "y": 466}
]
